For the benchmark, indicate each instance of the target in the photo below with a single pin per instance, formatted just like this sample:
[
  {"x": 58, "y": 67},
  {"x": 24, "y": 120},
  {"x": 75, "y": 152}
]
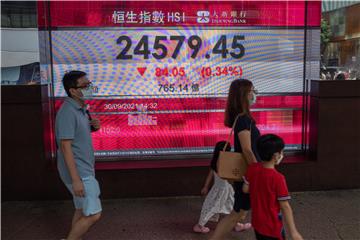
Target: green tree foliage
[{"x": 325, "y": 34}]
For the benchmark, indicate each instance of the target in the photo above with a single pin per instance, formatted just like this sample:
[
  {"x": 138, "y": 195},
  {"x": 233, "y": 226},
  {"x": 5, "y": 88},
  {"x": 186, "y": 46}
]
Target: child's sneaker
[
  {"x": 200, "y": 229},
  {"x": 240, "y": 227}
]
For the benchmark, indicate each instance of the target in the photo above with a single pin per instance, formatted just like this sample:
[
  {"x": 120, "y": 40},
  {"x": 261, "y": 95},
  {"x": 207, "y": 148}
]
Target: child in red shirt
[{"x": 268, "y": 192}]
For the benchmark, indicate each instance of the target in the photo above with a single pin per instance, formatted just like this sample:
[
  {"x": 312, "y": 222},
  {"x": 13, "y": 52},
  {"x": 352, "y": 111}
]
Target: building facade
[{"x": 344, "y": 46}]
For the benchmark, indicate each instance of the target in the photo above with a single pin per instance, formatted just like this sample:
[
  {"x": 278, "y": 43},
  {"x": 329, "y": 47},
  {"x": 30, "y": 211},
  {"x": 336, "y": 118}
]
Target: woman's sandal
[
  {"x": 200, "y": 229},
  {"x": 240, "y": 227}
]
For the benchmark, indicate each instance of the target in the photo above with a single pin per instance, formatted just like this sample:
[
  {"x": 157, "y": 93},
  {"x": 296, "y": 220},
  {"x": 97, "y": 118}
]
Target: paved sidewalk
[{"x": 327, "y": 215}]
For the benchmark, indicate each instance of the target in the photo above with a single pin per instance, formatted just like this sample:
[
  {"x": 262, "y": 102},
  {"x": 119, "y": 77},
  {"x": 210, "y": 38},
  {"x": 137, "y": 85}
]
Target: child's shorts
[
  {"x": 90, "y": 204},
  {"x": 242, "y": 200},
  {"x": 263, "y": 237}
]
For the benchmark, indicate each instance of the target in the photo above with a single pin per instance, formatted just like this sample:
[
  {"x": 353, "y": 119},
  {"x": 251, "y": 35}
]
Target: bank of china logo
[{"x": 203, "y": 17}]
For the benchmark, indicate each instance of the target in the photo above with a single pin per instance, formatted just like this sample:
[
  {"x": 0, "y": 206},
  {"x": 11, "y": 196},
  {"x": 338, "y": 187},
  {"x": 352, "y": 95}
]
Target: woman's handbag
[{"x": 231, "y": 165}]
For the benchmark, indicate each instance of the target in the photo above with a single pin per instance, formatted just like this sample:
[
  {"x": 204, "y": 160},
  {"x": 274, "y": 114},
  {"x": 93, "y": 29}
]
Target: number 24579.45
[{"x": 194, "y": 42}]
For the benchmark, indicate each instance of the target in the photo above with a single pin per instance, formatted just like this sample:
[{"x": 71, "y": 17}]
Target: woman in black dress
[{"x": 242, "y": 95}]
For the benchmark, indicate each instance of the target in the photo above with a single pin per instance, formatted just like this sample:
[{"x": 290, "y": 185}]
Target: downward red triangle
[{"x": 141, "y": 70}]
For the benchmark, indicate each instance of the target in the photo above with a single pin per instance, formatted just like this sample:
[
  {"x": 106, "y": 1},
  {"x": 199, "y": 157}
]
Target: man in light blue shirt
[{"x": 75, "y": 162}]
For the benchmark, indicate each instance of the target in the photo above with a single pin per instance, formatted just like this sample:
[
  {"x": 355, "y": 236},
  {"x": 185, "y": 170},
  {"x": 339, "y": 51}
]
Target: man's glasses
[{"x": 86, "y": 87}]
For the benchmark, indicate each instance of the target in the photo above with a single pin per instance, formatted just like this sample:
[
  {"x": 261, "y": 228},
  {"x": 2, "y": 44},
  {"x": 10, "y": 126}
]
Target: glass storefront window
[{"x": 18, "y": 14}]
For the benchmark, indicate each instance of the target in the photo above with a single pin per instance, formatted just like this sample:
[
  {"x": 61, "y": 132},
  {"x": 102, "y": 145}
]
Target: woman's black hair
[
  {"x": 269, "y": 144},
  {"x": 218, "y": 147}
]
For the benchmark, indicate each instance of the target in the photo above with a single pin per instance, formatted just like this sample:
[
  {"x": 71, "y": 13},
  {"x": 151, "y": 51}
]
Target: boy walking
[{"x": 268, "y": 192}]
